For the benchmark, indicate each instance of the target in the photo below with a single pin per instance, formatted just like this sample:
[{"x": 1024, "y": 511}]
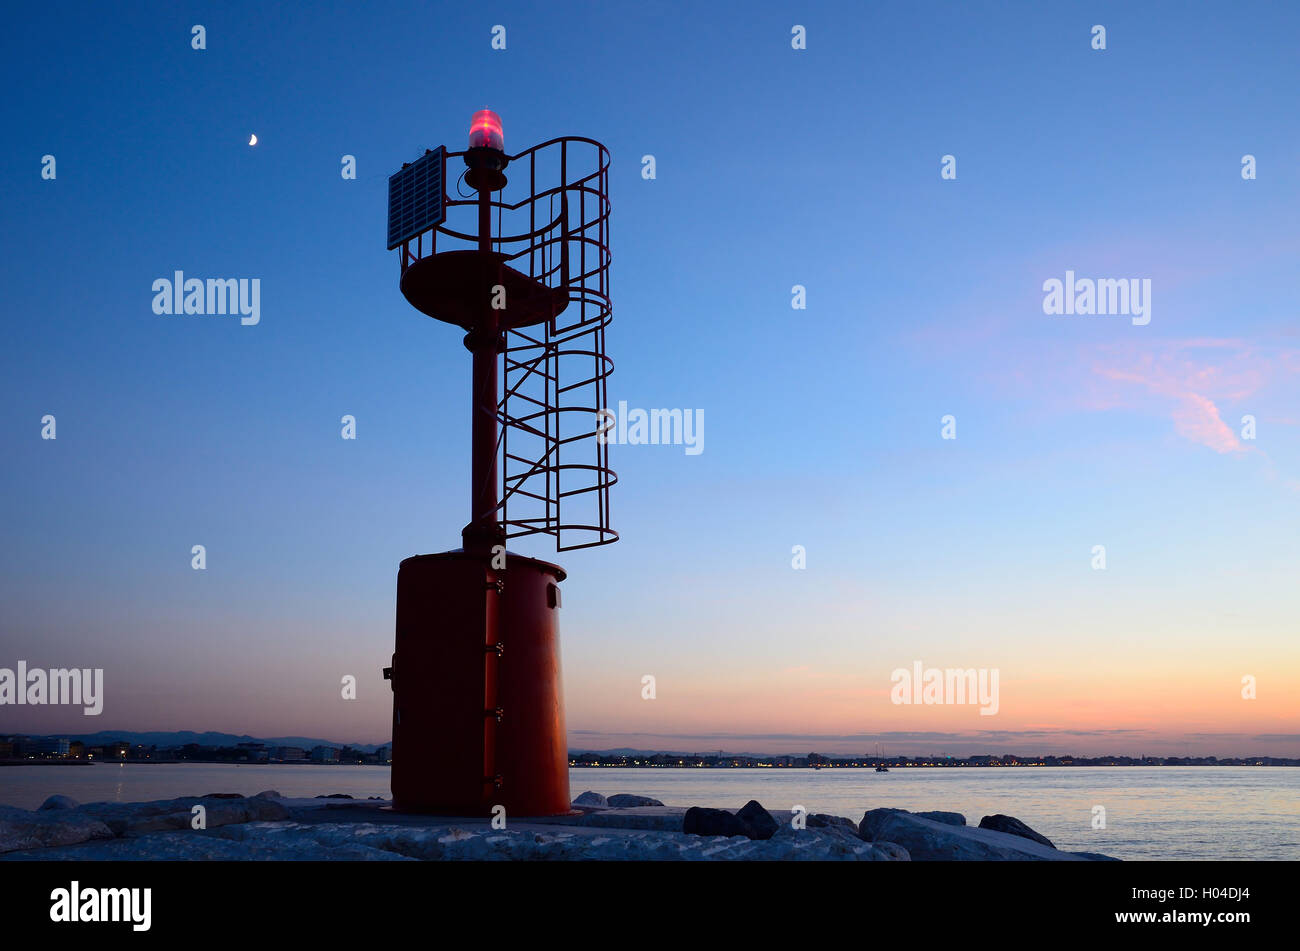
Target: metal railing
[{"x": 555, "y": 472}]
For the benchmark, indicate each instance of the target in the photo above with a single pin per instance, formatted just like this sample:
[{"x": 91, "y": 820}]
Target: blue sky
[{"x": 775, "y": 167}]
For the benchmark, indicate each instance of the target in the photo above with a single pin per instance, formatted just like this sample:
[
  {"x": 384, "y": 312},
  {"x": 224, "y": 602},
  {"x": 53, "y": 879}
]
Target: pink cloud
[
  {"x": 1197, "y": 419},
  {"x": 1191, "y": 378}
]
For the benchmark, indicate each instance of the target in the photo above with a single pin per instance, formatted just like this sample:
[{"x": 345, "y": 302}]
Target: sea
[{"x": 1131, "y": 812}]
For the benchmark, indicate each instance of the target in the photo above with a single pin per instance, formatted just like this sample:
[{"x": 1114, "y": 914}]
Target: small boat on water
[{"x": 882, "y": 769}]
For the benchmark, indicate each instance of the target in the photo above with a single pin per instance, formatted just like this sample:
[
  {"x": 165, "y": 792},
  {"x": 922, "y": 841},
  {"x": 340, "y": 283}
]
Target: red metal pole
[
  {"x": 482, "y": 533},
  {"x": 492, "y": 712}
]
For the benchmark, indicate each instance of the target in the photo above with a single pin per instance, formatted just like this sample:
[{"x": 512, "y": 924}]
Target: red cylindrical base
[{"x": 478, "y": 703}]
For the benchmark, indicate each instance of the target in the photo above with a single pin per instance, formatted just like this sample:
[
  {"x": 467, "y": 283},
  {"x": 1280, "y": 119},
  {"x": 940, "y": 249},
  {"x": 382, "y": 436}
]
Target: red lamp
[{"x": 485, "y": 131}]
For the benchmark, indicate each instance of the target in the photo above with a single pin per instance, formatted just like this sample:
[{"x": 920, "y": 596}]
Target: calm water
[{"x": 1151, "y": 812}]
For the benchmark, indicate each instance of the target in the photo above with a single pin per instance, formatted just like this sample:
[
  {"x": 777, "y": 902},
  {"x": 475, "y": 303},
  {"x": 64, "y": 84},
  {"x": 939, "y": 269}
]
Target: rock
[
  {"x": 59, "y": 802},
  {"x": 820, "y": 820},
  {"x": 1013, "y": 826},
  {"x": 759, "y": 823},
  {"x": 892, "y": 851},
  {"x": 836, "y": 826},
  {"x": 947, "y": 818},
  {"x": 21, "y": 829},
  {"x": 268, "y": 794},
  {"x": 752, "y": 821},
  {"x": 662, "y": 818},
  {"x": 872, "y": 820},
  {"x": 591, "y": 799},
  {"x": 833, "y": 824},
  {"x": 1095, "y": 857},
  {"x": 135, "y": 818},
  {"x": 928, "y": 841},
  {"x": 703, "y": 821},
  {"x": 625, "y": 800}
]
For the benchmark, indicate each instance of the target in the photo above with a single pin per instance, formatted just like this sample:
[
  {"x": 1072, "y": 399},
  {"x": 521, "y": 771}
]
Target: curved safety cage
[{"x": 550, "y": 262}]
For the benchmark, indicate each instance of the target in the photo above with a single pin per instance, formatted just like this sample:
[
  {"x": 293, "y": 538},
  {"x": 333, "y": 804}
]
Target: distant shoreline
[
  {"x": 867, "y": 766},
  {"x": 166, "y": 762},
  {"x": 893, "y": 766}
]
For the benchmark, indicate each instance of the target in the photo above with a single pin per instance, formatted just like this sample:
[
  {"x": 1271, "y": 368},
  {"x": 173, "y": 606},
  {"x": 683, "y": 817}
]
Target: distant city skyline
[{"x": 1230, "y": 747}]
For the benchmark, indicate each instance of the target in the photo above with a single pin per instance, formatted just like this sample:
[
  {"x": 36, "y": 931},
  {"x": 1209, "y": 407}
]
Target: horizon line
[{"x": 622, "y": 751}]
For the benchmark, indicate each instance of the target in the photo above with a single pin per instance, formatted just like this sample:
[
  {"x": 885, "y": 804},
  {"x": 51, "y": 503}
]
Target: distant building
[
  {"x": 384, "y": 754},
  {"x": 324, "y": 754},
  {"x": 254, "y": 752},
  {"x": 288, "y": 754},
  {"x": 48, "y": 746}
]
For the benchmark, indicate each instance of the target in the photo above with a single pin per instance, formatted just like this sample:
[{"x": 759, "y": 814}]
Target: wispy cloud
[{"x": 1189, "y": 379}]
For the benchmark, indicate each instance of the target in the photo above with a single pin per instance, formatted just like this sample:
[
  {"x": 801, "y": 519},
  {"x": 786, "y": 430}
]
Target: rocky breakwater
[
  {"x": 945, "y": 837},
  {"x": 62, "y": 821},
  {"x": 618, "y": 828},
  {"x": 891, "y": 834}
]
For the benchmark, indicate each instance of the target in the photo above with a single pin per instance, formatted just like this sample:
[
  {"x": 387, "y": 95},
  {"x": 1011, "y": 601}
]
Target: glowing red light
[{"x": 485, "y": 131}]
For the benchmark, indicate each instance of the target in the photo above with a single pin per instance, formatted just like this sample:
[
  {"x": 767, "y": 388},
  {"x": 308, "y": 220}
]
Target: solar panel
[{"x": 415, "y": 198}]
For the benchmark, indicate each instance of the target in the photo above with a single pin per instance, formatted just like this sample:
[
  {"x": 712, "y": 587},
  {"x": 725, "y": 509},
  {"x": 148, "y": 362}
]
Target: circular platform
[{"x": 457, "y": 287}]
